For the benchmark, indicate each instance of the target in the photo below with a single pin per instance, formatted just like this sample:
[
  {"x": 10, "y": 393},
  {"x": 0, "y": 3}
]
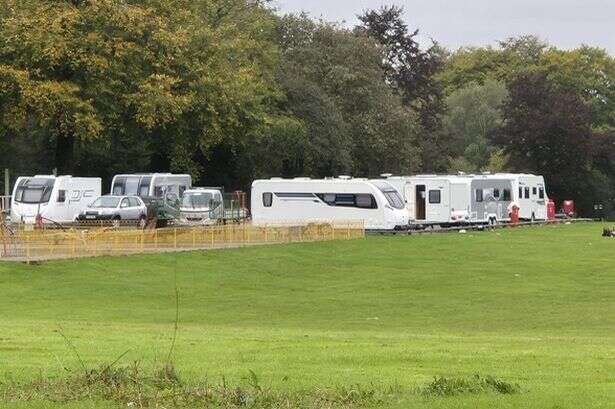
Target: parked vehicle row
[
  {"x": 389, "y": 203},
  {"x": 401, "y": 202}
]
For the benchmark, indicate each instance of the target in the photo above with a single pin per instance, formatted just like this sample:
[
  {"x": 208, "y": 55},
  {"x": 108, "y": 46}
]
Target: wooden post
[
  {"x": 193, "y": 237},
  {"x": 7, "y": 180},
  {"x": 156, "y": 239},
  {"x": 175, "y": 237}
]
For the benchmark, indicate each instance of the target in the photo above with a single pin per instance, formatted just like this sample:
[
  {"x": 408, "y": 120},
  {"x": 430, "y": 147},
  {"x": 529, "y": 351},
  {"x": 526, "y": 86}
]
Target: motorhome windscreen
[
  {"x": 196, "y": 200},
  {"x": 105, "y": 202},
  {"x": 392, "y": 196},
  {"x": 34, "y": 190}
]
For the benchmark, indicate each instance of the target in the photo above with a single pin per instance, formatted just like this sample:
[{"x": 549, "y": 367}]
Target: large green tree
[
  {"x": 353, "y": 121},
  {"x": 473, "y": 114},
  {"x": 118, "y": 85}
]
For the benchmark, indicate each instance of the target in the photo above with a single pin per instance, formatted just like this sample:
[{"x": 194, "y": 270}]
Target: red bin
[
  {"x": 514, "y": 215},
  {"x": 568, "y": 208},
  {"x": 550, "y": 210}
]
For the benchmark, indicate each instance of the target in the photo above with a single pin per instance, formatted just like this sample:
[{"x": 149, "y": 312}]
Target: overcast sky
[{"x": 455, "y": 23}]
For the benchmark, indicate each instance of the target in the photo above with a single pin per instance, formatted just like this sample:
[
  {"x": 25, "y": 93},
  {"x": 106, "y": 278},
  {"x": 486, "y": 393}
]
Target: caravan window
[
  {"x": 61, "y": 196},
  {"x": 506, "y": 195},
  {"x": 541, "y": 193},
  {"x": 344, "y": 199},
  {"x": 360, "y": 200},
  {"x": 434, "y": 196},
  {"x": 144, "y": 185},
  {"x": 392, "y": 196},
  {"x": 267, "y": 199},
  {"x": 520, "y": 192},
  {"x": 35, "y": 190},
  {"x": 496, "y": 193},
  {"x": 366, "y": 201},
  {"x": 132, "y": 186},
  {"x": 534, "y": 191},
  {"x": 527, "y": 192},
  {"x": 479, "y": 195},
  {"x": 118, "y": 186}
]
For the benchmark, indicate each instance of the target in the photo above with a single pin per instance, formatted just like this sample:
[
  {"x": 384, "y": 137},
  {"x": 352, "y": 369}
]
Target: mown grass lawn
[{"x": 535, "y": 307}]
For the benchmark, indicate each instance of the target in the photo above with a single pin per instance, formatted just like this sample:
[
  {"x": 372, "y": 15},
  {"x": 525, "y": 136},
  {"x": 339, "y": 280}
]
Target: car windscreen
[
  {"x": 196, "y": 200},
  {"x": 106, "y": 201},
  {"x": 392, "y": 195},
  {"x": 34, "y": 190}
]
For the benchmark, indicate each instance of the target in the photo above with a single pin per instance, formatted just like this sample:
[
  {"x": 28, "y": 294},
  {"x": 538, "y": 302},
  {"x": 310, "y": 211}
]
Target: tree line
[{"x": 229, "y": 91}]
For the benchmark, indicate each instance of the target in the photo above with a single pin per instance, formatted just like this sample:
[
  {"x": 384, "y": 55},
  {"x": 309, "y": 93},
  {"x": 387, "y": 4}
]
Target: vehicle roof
[
  {"x": 332, "y": 180},
  {"x": 151, "y": 174},
  {"x": 120, "y": 196}
]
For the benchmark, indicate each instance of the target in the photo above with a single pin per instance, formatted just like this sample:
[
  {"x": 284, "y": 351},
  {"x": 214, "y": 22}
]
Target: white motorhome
[
  {"x": 301, "y": 201},
  {"x": 57, "y": 199},
  {"x": 435, "y": 199},
  {"x": 202, "y": 206},
  {"x": 493, "y": 196},
  {"x": 150, "y": 185}
]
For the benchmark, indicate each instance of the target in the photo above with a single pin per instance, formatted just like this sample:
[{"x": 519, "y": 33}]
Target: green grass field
[{"x": 535, "y": 307}]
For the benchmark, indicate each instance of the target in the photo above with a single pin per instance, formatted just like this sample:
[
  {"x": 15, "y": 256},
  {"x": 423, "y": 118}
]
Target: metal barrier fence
[{"x": 37, "y": 245}]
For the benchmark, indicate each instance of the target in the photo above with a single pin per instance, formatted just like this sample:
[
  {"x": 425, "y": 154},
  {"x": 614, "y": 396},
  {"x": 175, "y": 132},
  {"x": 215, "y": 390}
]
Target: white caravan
[
  {"x": 433, "y": 199},
  {"x": 150, "y": 184},
  {"x": 493, "y": 196},
  {"x": 301, "y": 201},
  {"x": 57, "y": 199},
  {"x": 461, "y": 199}
]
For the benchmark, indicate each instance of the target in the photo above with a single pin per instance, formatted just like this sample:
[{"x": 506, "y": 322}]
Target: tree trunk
[{"x": 64, "y": 158}]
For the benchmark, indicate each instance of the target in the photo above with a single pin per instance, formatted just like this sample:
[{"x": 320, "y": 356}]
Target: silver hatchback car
[{"x": 116, "y": 208}]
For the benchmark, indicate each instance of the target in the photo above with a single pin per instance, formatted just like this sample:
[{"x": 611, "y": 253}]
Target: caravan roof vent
[
  {"x": 386, "y": 175},
  {"x": 460, "y": 173},
  {"x": 303, "y": 178},
  {"x": 486, "y": 173},
  {"x": 344, "y": 177}
]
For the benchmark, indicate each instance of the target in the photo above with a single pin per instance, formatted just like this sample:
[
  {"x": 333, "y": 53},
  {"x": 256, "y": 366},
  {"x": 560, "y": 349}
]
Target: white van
[
  {"x": 493, "y": 196},
  {"x": 202, "y": 206},
  {"x": 57, "y": 199},
  {"x": 301, "y": 201}
]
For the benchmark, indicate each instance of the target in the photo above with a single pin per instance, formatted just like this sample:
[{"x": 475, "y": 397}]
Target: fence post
[
  {"x": 266, "y": 234},
  {"x": 155, "y": 239},
  {"x": 28, "y": 251},
  {"x": 193, "y": 237},
  {"x": 175, "y": 237},
  {"x": 211, "y": 231}
]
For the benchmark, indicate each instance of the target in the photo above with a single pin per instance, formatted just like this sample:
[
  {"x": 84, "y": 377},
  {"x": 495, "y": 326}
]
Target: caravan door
[{"x": 437, "y": 201}]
